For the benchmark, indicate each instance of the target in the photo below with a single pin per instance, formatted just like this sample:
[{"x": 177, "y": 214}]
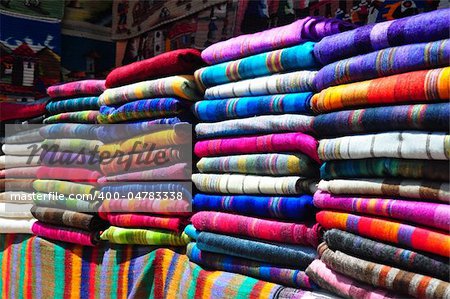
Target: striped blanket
[
  {"x": 88, "y": 117},
  {"x": 77, "y": 131},
  {"x": 77, "y": 88},
  {"x": 23, "y": 137},
  {"x": 63, "y": 187},
  {"x": 72, "y": 105},
  {"x": 140, "y": 220},
  {"x": 65, "y": 234},
  {"x": 61, "y": 217},
  {"x": 71, "y": 145},
  {"x": 144, "y": 236}
]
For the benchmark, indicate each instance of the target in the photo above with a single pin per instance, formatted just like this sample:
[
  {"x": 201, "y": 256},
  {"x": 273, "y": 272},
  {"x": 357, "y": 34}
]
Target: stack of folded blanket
[
  {"x": 258, "y": 161},
  {"x": 19, "y": 161},
  {"x": 384, "y": 191},
  {"x": 65, "y": 204},
  {"x": 145, "y": 127}
]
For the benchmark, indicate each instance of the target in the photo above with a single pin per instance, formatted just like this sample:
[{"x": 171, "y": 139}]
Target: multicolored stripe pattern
[
  {"x": 88, "y": 117},
  {"x": 77, "y": 88},
  {"x": 71, "y": 105},
  {"x": 120, "y": 235}
]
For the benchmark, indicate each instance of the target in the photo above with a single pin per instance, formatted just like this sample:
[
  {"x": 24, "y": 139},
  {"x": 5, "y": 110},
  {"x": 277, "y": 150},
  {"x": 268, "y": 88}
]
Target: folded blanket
[
  {"x": 8, "y": 161},
  {"x": 137, "y": 188},
  {"x": 387, "y": 254},
  {"x": 432, "y": 170},
  {"x": 26, "y": 149},
  {"x": 144, "y": 237},
  {"x": 68, "y": 130},
  {"x": 191, "y": 232},
  {"x": 72, "y": 105},
  {"x": 68, "y": 174},
  {"x": 423, "y": 27},
  {"x": 284, "y": 142},
  {"x": 71, "y": 145},
  {"x": 87, "y": 117},
  {"x": 179, "y": 171},
  {"x": 63, "y": 187},
  {"x": 310, "y": 28},
  {"x": 142, "y": 161},
  {"x": 294, "y": 82},
  {"x": 60, "y": 217},
  {"x": 16, "y": 225},
  {"x": 342, "y": 285},
  {"x": 19, "y": 172},
  {"x": 403, "y": 144},
  {"x": 183, "y": 61},
  {"x": 179, "y": 135},
  {"x": 251, "y": 184},
  {"x": 69, "y": 159},
  {"x": 77, "y": 88},
  {"x": 269, "y": 164},
  {"x": 61, "y": 202},
  {"x": 176, "y": 86},
  {"x": 65, "y": 234},
  {"x": 426, "y": 190},
  {"x": 296, "y": 208},
  {"x": 292, "y": 256},
  {"x": 288, "y": 59},
  {"x": 172, "y": 208},
  {"x": 16, "y": 197},
  {"x": 19, "y": 110},
  {"x": 267, "y": 272},
  {"x": 176, "y": 224},
  {"x": 28, "y": 136},
  {"x": 388, "y": 231},
  {"x": 218, "y": 110},
  {"x": 408, "y": 88},
  {"x": 255, "y": 125},
  {"x": 16, "y": 209},
  {"x": 111, "y": 133},
  {"x": 384, "y": 62},
  {"x": 142, "y": 109},
  {"x": 20, "y": 184},
  {"x": 382, "y": 276},
  {"x": 426, "y": 117},
  {"x": 250, "y": 227},
  {"x": 425, "y": 213}
]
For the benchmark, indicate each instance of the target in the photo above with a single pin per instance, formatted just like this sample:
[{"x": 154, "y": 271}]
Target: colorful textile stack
[
  {"x": 146, "y": 115},
  {"x": 384, "y": 191},
  {"x": 258, "y": 162},
  {"x": 67, "y": 179},
  {"x": 19, "y": 161}
]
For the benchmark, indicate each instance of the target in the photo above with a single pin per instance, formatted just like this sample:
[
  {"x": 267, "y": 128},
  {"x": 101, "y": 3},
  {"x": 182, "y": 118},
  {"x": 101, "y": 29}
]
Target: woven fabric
[
  {"x": 113, "y": 133},
  {"x": 11, "y": 225},
  {"x": 19, "y": 110},
  {"x": 255, "y": 125},
  {"x": 426, "y": 117},
  {"x": 8, "y": 161},
  {"x": 191, "y": 232},
  {"x": 422, "y": 213},
  {"x": 181, "y": 208},
  {"x": 403, "y": 144},
  {"x": 144, "y": 236},
  {"x": 65, "y": 234},
  {"x": 288, "y": 59},
  {"x": 62, "y": 187},
  {"x": 175, "y": 86},
  {"x": 423, "y": 27},
  {"x": 386, "y": 168},
  {"x": 60, "y": 217},
  {"x": 77, "y": 104},
  {"x": 142, "y": 109},
  {"x": 310, "y": 28},
  {"x": 269, "y": 164},
  {"x": 13, "y": 196},
  {"x": 183, "y": 61},
  {"x": 218, "y": 110},
  {"x": 67, "y": 130},
  {"x": 159, "y": 139},
  {"x": 141, "y": 161},
  {"x": 69, "y": 159},
  {"x": 77, "y": 88},
  {"x": 275, "y": 143},
  {"x": 106, "y": 271},
  {"x": 14, "y": 210},
  {"x": 56, "y": 201},
  {"x": 296, "y": 208},
  {"x": 382, "y": 276},
  {"x": 343, "y": 285},
  {"x": 292, "y": 256},
  {"x": 71, "y": 145},
  {"x": 26, "y": 149},
  {"x": 367, "y": 249},
  {"x": 179, "y": 171},
  {"x": 250, "y": 184},
  {"x": 20, "y": 184},
  {"x": 68, "y": 174},
  {"x": 412, "y": 237},
  {"x": 176, "y": 224},
  {"x": 28, "y": 136},
  {"x": 268, "y": 230},
  {"x": 294, "y": 82},
  {"x": 19, "y": 172},
  {"x": 267, "y": 272},
  {"x": 427, "y": 190},
  {"x": 137, "y": 188},
  {"x": 408, "y": 88},
  {"x": 85, "y": 117},
  {"x": 383, "y": 63}
]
